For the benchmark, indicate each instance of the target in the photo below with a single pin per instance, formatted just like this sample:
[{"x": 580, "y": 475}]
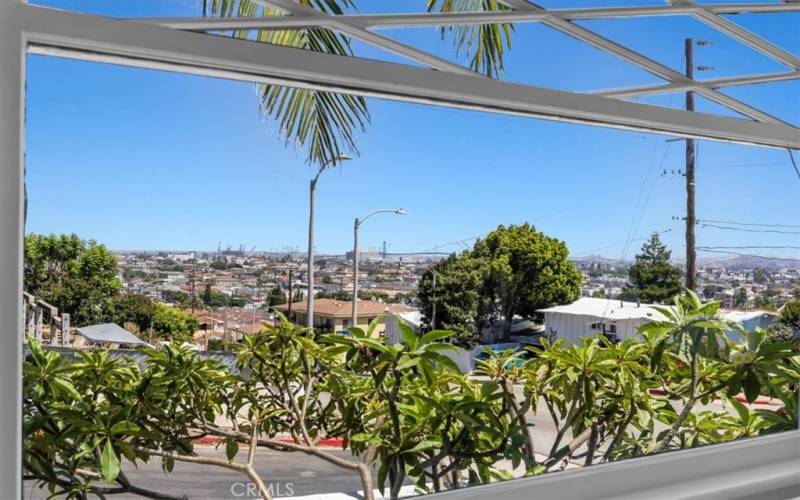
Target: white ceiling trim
[{"x": 358, "y": 26}]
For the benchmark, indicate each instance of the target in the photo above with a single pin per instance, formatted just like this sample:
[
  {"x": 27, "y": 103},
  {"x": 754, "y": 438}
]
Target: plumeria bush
[{"x": 404, "y": 411}]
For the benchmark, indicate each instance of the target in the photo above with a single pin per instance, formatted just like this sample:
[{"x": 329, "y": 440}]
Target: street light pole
[
  {"x": 312, "y": 200},
  {"x": 356, "y": 224}
]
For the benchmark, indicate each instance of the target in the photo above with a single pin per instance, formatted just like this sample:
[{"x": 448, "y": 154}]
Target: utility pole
[
  {"x": 289, "y": 310},
  {"x": 691, "y": 221},
  {"x": 225, "y": 327},
  {"x": 433, "y": 302},
  {"x": 194, "y": 270}
]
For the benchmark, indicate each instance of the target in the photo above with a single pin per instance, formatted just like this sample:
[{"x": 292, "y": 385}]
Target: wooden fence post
[
  {"x": 64, "y": 329},
  {"x": 53, "y": 328},
  {"x": 38, "y": 325},
  {"x": 29, "y": 316}
]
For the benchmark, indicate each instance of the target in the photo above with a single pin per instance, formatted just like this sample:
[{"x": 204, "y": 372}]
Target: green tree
[
  {"x": 456, "y": 301},
  {"x": 781, "y": 333},
  {"x": 374, "y": 295},
  {"x": 173, "y": 324},
  {"x": 514, "y": 271},
  {"x": 761, "y": 276},
  {"x": 790, "y": 314},
  {"x": 237, "y": 300},
  {"x": 276, "y": 296},
  {"x": 135, "y": 308},
  {"x": 216, "y": 345},
  {"x": 526, "y": 271},
  {"x": 652, "y": 278},
  {"x": 77, "y": 276},
  {"x": 740, "y": 297},
  {"x": 213, "y": 298},
  {"x": 766, "y": 299},
  {"x": 218, "y": 265},
  {"x": 182, "y": 299}
]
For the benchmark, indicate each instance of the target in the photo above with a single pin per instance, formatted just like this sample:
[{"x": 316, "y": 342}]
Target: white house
[
  {"x": 589, "y": 316},
  {"x": 749, "y": 320},
  {"x": 619, "y": 320}
]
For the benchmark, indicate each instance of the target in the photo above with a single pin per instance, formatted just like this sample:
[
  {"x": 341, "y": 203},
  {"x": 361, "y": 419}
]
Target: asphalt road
[{"x": 288, "y": 474}]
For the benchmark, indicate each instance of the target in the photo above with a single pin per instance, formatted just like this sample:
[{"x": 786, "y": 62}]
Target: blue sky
[{"x": 151, "y": 160}]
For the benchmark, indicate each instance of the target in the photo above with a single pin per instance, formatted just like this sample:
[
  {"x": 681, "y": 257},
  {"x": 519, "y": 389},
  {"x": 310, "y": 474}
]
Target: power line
[
  {"x": 618, "y": 243},
  {"x": 435, "y": 249},
  {"x": 747, "y": 230},
  {"x": 749, "y": 247},
  {"x": 794, "y": 163},
  {"x": 744, "y": 165},
  {"x": 756, "y": 224},
  {"x": 705, "y": 249}
]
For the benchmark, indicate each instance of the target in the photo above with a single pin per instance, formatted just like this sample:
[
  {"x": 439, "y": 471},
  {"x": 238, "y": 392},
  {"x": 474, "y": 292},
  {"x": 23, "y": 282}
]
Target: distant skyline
[{"x": 139, "y": 159}]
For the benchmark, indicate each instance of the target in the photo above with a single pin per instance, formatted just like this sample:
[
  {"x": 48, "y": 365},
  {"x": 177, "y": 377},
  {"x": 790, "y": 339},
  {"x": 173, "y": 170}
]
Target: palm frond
[
  {"x": 484, "y": 44},
  {"x": 325, "y": 124}
]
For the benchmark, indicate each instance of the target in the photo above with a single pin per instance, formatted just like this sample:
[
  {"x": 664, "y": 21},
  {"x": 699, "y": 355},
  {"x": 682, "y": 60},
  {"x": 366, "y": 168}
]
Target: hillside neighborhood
[{"x": 233, "y": 293}]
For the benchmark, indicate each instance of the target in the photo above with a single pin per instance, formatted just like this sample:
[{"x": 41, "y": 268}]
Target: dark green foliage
[
  {"x": 514, "y": 271},
  {"x": 179, "y": 298},
  {"x": 337, "y": 295},
  {"x": 276, "y": 296},
  {"x": 761, "y": 276},
  {"x": 77, "y": 276},
  {"x": 781, "y": 333},
  {"x": 173, "y": 324},
  {"x": 458, "y": 297},
  {"x": 216, "y": 345},
  {"x": 130, "y": 274},
  {"x": 790, "y": 314},
  {"x": 237, "y": 300},
  {"x": 740, "y": 297},
  {"x": 652, "y": 278},
  {"x": 527, "y": 271},
  {"x": 135, "y": 308},
  {"x": 219, "y": 265},
  {"x": 213, "y": 298},
  {"x": 373, "y": 295}
]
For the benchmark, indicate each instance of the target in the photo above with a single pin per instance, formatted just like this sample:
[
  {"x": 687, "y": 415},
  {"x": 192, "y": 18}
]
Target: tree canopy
[
  {"x": 457, "y": 301},
  {"x": 790, "y": 315},
  {"x": 173, "y": 324},
  {"x": 77, "y": 276},
  {"x": 652, "y": 278},
  {"x": 135, "y": 308},
  {"x": 514, "y": 271}
]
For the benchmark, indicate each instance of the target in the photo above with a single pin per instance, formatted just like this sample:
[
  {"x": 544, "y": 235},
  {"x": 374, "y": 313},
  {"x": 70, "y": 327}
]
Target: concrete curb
[
  {"x": 334, "y": 443},
  {"x": 740, "y": 398}
]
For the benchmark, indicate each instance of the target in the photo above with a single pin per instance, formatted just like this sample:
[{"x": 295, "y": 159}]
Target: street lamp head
[{"x": 400, "y": 211}]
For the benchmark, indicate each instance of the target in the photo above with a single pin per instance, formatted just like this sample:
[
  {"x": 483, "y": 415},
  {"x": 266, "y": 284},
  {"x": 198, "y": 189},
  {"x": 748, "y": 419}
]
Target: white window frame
[{"x": 753, "y": 468}]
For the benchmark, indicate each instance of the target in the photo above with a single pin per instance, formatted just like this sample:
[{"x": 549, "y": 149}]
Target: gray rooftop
[{"x": 109, "y": 333}]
